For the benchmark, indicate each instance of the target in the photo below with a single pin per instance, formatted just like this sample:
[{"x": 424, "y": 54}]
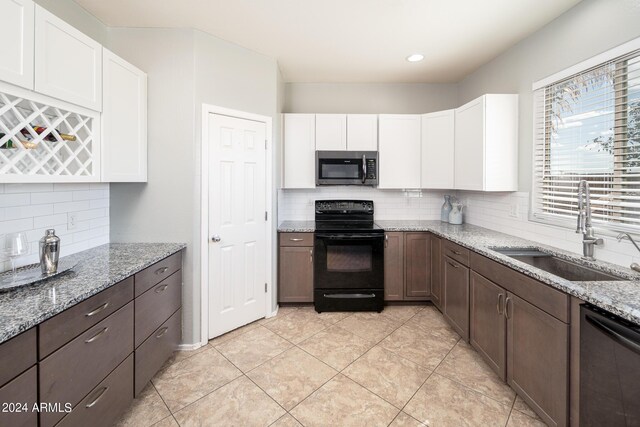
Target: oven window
[
  {"x": 342, "y": 170},
  {"x": 349, "y": 259}
]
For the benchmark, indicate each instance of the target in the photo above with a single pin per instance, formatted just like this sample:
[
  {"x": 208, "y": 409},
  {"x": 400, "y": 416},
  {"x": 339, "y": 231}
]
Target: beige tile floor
[{"x": 403, "y": 367}]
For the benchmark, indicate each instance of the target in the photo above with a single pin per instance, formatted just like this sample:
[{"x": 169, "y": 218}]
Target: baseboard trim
[{"x": 189, "y": 347}]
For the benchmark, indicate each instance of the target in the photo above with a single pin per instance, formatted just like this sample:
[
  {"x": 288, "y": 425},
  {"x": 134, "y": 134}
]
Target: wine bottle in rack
[
  {"x": 10, "y": 144},
  {"x": 49, "y": 137}
]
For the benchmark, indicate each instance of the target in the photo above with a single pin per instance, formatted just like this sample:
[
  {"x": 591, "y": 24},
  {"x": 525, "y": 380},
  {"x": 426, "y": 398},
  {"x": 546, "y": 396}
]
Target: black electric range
[{"x": 348, "y": 267}]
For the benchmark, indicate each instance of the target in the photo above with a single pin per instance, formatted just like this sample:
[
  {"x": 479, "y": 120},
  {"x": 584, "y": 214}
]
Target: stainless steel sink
[{"x": 557, "y": 266}]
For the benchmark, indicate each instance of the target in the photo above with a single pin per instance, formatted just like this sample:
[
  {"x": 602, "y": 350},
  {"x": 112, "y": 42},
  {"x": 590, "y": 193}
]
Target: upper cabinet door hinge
[
  {"x": 266, "y": 215},
  {"x": 265, "y": 144},
  {"x": 265, "y": 288}
]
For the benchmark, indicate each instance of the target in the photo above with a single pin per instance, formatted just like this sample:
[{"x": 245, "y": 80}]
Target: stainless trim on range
[{"x": 347, "y": 168}]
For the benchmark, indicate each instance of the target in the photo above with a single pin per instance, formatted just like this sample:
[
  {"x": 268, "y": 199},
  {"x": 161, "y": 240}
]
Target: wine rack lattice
[{"x": 55, "y": 158}]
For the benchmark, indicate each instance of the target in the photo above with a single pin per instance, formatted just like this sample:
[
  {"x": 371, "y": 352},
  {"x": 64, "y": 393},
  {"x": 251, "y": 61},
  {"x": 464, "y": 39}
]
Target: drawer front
[
  {"x": 455, "y": 252},
  {"x": 156, "y": 305},
  {"x": 23, "y": 390},
  {"x": 17, "y": 355},
  {"x": 152, "y": 354},
  {"x": 62, "y": 328},
  {"x": 104, "y": 405},
  {"x": 67, "y": 375},
  {"x": 543, "y": 296},
  {"x": 157, "y": 273},
  {"x": 296, "y": 239}
]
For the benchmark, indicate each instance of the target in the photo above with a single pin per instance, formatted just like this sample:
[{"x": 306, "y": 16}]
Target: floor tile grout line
[
  {"x": 269, "y": 396},
  {"x": 161, "y": 398}
]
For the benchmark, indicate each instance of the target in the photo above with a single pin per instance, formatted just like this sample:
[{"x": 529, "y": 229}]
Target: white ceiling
[{"x": 351, "y": 40}]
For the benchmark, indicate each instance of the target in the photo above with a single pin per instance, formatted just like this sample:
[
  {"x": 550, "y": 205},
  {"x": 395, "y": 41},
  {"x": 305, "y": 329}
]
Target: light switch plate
[
  {"x": 514, "y": 211},
  {"x": 72, "y": 221}
]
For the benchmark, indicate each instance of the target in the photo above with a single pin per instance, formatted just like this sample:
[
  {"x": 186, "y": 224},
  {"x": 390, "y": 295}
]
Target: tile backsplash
[
  {"x": 78, "y": 212},
  {"x": 389, "y": 204},
  {"x": 504, "y": 212},
  {"x": 509, "y": 213}
]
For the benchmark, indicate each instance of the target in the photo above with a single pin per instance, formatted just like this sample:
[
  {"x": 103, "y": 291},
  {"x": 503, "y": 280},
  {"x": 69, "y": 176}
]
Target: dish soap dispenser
[{"x": 49, "y": 252}]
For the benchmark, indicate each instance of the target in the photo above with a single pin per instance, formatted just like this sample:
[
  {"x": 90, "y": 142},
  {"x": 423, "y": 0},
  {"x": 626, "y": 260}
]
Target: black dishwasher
[{"x": 609, "y": 369}]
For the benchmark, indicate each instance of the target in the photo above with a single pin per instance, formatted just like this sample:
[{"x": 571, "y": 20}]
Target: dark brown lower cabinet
[
  {"x": 104, "y": 405},
  {"x": 20, "y": 395},
  {"x": 436, "y": 273},
  {"x": 417, "y": 256},
  {"x": 537, "y": 359},
  {"x": 488, "y": 325},
  {"x": 456, "y": 295},
  {"x": 394, "y": 266},
  {"x": 295, "y": 281}
]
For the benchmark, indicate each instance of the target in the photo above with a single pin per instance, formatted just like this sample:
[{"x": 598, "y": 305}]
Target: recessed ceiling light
[{"x": 416, "y": 57}]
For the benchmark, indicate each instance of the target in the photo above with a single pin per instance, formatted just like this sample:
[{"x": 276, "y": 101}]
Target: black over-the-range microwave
[{"x": 347, "y": 168}]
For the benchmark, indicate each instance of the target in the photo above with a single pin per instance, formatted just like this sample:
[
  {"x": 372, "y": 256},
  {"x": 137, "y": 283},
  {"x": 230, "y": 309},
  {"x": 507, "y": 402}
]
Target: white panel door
[
  {"x": 68, "y": 64},
  {"x": 362, "y": 132},
  {"x": 438, "y": 149},
  {"x": 237, "y": 225},
  {"x": 331, "y": 132},
  {"x": 299, "y": 160},
  {"x": 124, "y": 121},
  {"x": 399, "y": 151},
  {"x": 469, "y": 146},
  {"x": 16, "y": 42}
]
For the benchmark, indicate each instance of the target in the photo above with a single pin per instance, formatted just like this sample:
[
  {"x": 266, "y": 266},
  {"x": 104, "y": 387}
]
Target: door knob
[{"x": 215, "y": 238}]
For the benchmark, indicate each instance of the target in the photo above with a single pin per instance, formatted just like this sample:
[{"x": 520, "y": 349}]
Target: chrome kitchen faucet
[{"x": 589, "y": 240}]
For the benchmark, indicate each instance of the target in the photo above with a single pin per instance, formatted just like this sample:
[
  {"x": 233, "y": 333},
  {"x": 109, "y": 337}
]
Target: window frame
[{"x": 535, "y": 214}]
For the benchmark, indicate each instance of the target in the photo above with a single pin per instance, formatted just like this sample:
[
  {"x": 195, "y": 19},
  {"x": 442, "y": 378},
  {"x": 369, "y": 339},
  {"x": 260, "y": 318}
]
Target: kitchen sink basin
[{"x": 557, "y": 266}]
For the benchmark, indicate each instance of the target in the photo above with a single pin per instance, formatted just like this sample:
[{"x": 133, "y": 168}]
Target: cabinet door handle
[
  {"x": 162, "y": 332},
  {"x": 295, "y": 239},
  {"x": 96, "y": 336},
  {"x": 97, "y": 310},
  {"x": 499, "y": 306},
  {"x": 311, "y": 256},
  {"x": 386, "y": 240},
  {"x": 162, "y": 270},
  {"x": 161, "y": 288},
  {"x": 99, "y": 393},
  {"x": 452, "y": 264},
  {"x": 506, "y": 307}
]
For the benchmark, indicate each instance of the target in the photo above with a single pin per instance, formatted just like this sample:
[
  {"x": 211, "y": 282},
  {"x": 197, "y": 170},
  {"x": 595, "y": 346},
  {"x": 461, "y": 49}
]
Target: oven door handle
[
  {"x": 350, "y": 236},
  {"x": 350, "y": 296},
  {"x": 613, "y": 334}
]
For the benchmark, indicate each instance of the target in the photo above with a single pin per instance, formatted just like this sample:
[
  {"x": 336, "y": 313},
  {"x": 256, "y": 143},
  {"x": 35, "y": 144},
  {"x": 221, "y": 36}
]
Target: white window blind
[{"x": 587, "y": 126}]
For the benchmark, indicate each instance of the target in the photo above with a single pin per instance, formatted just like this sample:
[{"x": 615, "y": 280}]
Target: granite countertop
[
  {"x": 619, "y": 297},
  {"x": 98, "y": 268}
]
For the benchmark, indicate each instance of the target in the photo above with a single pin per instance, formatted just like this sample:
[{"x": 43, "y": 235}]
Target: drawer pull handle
[
  {"x": 97, "y": 310},
  {"x": 296, "y": 239},
  {"x": 100, "y": 393},
  {"x": 162, "y": 332},
  {"x": 161, "y": 288},
  {"x": 162, "y": 270},
  {"x": 96, "y": 336},
  {"x": 456, "y": 252},
  {"x": 452, "y": 264}
]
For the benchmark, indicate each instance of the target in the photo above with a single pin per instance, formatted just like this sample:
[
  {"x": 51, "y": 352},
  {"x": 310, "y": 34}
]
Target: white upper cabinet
[
  {"x": 486, "y": 144},
  {"x": 16, "y": 42},
  {"x": 68, "y": 64},
  {"x": 124, "y": 121},
  {"x": 331, "y": 132},
  {"x": 299, "y": 132},
  {"x": 362, "y": 132},
  {"x": 399, "y": 150},
  {"x": 438, "y": 149}
]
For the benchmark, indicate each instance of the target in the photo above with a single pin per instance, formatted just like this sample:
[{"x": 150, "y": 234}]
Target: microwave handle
[{"x": 364, "y": 168}]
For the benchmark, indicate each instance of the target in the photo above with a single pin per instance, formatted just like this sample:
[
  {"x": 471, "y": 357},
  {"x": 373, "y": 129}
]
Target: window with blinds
[{"x": 587, "y": 126}]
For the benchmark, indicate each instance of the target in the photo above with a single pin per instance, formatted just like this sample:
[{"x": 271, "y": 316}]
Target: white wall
[
  {"x": 400, "y": 98},
  {"x": 33, "y": 208}
]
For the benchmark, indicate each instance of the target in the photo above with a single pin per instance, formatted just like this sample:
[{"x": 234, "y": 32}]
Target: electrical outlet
[
  {"x": 514, "y": 211},
  {"x": 72, "y": 221}
]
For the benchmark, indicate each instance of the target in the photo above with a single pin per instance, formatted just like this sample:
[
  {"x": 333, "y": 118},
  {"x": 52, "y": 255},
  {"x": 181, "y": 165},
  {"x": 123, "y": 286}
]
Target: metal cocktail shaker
[{"x": 49, "y": 252}]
